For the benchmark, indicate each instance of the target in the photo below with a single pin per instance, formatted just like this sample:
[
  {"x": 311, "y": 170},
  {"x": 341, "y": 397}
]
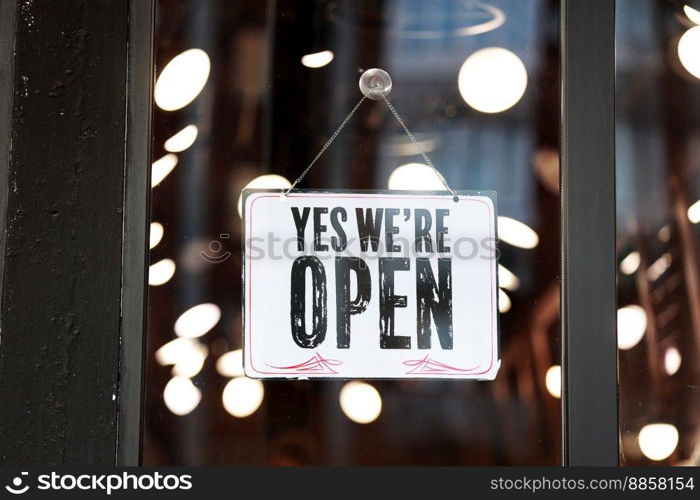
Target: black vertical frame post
[
  {"x": 75, "y": 232},
  {"x": 137, "y": 171},
  {"x": 8, "y": 10},
  {"x": 588, "y": 233}
]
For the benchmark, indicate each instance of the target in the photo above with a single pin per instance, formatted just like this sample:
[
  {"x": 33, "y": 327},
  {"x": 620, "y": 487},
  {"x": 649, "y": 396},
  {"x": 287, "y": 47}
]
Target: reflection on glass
[
  {"x": 160, "y": 272},
  {"x": 155, "y": 235},
  {"x": 693, "y": 14},
  {"x": 553, "y": 381},
  {"x": 516, "y": 233},
  {"x": 658, "y": 185},
  {"x": 230, "y": 364},
  {"x": 506, "y": 279},
  {"x": 360, "y": 402},
  {"x": 631, "y": 326},
  {"x": 266, "y": 181},
  {"x": 162, "y": 167},
  {"x": 672, "y": 360},
  {"x": 630, "y": 264},
  {"x": 477, "y": 83},
  {"x": 688, "y": 51},
  {"x": 181, "y": 396},
  {"x": 416, "y": 176},
  {"x": 317, "y": 59},
  {"x": 182, "y": 140},
  {"x": 197, "y": 320},
  {"x": 243, "y": 396},
  {"x": 657, "y": 441},
  {"x": 504, "y": 302},
  {"x": 182, "y": 80},
  {"x": 492, "y": 80}
]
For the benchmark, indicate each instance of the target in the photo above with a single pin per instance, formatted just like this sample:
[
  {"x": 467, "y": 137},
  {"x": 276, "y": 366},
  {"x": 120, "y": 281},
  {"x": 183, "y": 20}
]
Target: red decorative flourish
[
  {"x": 427, "y": 365},
  {"x": 316, "y": 364}
]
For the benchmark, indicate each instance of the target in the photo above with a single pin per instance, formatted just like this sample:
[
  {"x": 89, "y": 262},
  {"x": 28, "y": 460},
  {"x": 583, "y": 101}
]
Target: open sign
[{"x": 370, "y": 285}]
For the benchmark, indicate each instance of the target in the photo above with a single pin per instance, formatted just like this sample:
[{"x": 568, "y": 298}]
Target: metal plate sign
[{"x": 370, "y": 285}]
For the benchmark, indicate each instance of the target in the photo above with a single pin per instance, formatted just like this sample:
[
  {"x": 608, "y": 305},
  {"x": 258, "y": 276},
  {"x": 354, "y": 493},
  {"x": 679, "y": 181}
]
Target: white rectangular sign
[{"x": 367, "y": 285}]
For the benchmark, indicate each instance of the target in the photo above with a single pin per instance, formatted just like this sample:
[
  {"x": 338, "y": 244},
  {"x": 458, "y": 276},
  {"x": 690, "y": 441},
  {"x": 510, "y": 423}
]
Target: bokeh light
[
  {"x": 162, "y": 167},
  {"x": 672, "y": 360},
  {"x": 492, "y": 80},
  {"x": 267, "y": 181},
  {"x": 182, "y": 79},
  {"x": 161, "y": 272},
  {"x": 230, "y": 364},
  {"x": 155, "y": 234},
  {"x": 242, "y": 396},
  {"x": 657, "y": 441},
  {"x": 516, "y": 233},
  {"x": 506, "y": 279},
  {"x": 630, "y": 264},
  {"x": 197, "y": 320},
  {"x": 504, "y": 303},
  {"x": 317, "y": 59},
  {"x": 552, "y": 381},
  {"x": 181, "y": 396},
  {"x": 631, "y": 326},
  {"x": 689, "y": 51},
  {"x": 182, "y": 140},
  {"x": 415, "y": 176},
  {"x": 360, "y": 402}
]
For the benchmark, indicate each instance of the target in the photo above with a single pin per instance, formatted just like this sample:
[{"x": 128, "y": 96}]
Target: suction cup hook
[{"x": 375, "y": 84}]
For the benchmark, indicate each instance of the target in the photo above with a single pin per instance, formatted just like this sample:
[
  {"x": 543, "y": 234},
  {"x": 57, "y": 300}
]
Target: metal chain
[
  {"x": 325, "y": 146},
  {"x": 403, "y": 125},
  {"x": 418, "y": 146}
]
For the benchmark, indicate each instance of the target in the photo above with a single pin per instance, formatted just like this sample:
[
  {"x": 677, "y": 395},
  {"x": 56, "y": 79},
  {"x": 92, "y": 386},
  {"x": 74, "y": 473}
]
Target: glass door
[
  {"x": 246, "y": 95},
  {"x": 658, "y": 187}
]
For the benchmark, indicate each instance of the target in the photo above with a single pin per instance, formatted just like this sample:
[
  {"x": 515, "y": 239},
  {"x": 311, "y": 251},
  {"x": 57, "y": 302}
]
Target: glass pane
[
  {"x": 247, "y": 93},
  {"x": 658, "y": 185}
]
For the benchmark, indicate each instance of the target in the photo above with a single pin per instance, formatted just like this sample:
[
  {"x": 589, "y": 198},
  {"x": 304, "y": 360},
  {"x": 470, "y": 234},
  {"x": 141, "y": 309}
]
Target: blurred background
[
  {"x": 246, "y": 95},
  {"x": 658, "y": 187}
]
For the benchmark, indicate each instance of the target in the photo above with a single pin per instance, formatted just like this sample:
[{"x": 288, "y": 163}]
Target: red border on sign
[{"x": 249, "y": 271}]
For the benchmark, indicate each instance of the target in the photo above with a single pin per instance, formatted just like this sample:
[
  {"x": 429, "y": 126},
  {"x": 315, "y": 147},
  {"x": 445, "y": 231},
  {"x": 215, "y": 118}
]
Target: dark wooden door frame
[
  {"x": 140, "y": 81},
  {"x": 75, "y": 188},
  {"x": 74, "y": 191}
]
